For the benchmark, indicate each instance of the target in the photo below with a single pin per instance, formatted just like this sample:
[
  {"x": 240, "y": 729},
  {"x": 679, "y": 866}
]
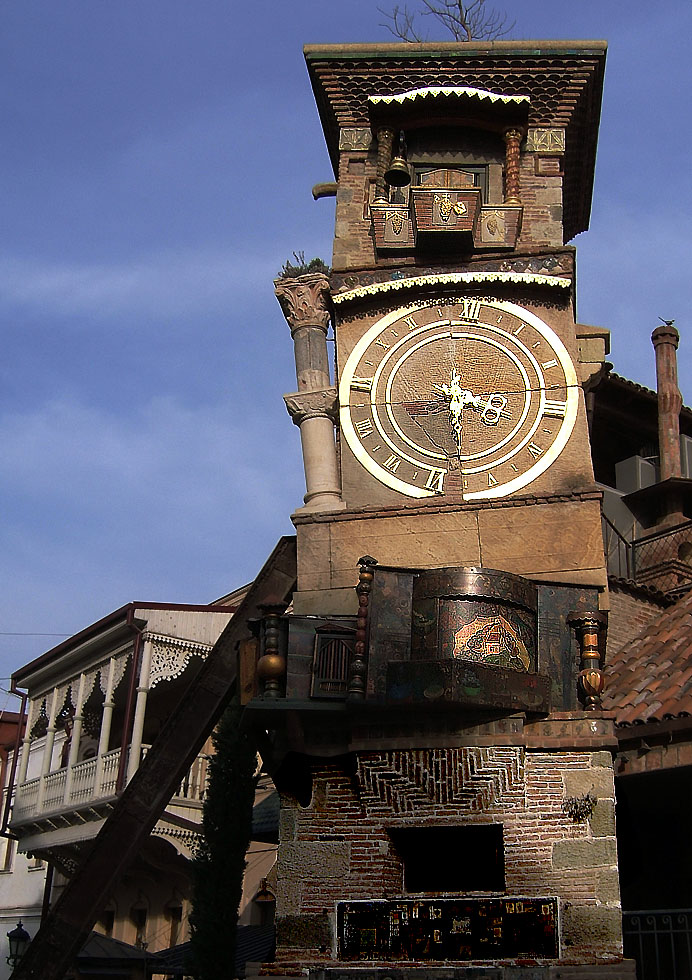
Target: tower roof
[{"x": 562, "y": 79}]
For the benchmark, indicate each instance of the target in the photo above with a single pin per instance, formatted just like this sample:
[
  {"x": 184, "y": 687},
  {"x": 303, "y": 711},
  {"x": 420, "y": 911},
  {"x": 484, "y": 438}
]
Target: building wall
[
  {"x": 631, "y": 611},
  {"x": 338, "y": 848}
]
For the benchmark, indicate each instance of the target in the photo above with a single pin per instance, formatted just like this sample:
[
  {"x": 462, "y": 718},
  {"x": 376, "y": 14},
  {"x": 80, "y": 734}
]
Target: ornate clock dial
[{"x": 476, "y": 387}]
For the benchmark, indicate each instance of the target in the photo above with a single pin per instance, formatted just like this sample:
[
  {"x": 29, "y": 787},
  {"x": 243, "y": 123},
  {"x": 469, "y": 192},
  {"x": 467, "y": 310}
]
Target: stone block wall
[{"x": 338, "y": 848}]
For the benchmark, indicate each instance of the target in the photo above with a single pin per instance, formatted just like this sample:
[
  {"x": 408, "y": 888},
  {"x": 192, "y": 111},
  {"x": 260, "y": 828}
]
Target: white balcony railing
[{"x": 68, "y": 789}]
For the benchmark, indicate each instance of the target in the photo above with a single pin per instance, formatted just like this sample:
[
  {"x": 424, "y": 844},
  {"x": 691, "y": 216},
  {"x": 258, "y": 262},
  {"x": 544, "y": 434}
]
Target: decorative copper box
[{"x": 444, "y": 214}]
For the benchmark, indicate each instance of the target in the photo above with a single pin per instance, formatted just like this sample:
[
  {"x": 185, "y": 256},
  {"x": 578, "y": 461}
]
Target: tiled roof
[{"x": 650, "y": 678}]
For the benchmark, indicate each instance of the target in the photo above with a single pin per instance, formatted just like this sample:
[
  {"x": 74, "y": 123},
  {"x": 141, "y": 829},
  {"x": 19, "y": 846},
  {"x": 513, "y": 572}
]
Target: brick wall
[
  {"x": 540, "y": 190},
  {"x": 338, "y": 848},
  {"x": 631, "y": 611}
]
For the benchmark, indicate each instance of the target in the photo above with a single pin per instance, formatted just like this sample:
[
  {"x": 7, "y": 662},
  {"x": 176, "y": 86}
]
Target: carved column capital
[
  {"x": 304, "y": 405},
  {"x": 305, "y": 301}
]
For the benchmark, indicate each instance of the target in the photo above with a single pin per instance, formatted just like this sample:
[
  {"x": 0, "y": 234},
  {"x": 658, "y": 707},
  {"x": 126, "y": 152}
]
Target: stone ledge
[{"x": 396, "y": 510}]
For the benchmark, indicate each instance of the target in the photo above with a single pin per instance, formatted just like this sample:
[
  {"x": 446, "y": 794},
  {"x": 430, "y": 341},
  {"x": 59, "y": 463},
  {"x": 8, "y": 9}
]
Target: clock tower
[{"x": 430, "y": 701}]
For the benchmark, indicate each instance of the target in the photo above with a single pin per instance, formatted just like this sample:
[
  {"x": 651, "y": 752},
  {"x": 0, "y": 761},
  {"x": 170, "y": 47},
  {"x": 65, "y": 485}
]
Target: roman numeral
[
  {"x": 470, "y": 309},
  {"x": 381, "y": 343},
  {"x": 492, "y": 482},
  {"x": 535, "y": 450},
  {"x": 436, "y": 480},
  {"x": 555, "y": 408},
  {"x": 364, "y": 428},
  {"x": 519, "y": 329},
  {"x": 362, "y": 384},
  {"x": 410, "y": 322},
  {"x": 549, "y": 364},
  {"x": 392, "y": 463}
]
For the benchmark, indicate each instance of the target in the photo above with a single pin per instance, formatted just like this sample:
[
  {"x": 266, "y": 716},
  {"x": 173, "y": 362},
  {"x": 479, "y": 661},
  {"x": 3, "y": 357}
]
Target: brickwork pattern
[
  {"x": 472, "y": 778},
  {"x": 338, "y": 848}
]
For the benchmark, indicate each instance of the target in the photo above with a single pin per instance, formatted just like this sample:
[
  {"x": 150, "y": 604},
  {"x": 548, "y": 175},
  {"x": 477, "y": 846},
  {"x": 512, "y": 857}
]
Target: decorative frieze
[{"x": 170, "y": 656}]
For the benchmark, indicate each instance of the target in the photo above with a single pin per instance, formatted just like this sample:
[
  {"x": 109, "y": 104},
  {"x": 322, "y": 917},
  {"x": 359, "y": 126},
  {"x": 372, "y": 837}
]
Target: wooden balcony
[{"x": 86, "y": 791}]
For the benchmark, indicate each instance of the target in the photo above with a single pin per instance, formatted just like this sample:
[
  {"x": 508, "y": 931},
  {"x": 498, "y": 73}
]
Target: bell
[{"x": 398, "y": 174}]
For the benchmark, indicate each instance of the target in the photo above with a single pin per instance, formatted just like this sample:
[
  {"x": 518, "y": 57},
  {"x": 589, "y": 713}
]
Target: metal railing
[
  {"x": 618, "y": 550},
  {"x": 660, "y": 941}
]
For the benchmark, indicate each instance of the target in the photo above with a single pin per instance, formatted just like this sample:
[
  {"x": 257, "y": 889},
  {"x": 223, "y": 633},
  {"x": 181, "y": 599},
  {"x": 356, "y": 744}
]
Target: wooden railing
[{"x": 55, "y": 791}]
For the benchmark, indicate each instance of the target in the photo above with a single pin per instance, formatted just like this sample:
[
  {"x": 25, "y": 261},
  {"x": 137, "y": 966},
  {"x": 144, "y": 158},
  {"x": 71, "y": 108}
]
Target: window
[
  {"x": 139, "y": 918},
  {"x": 452, "y": 178},
  {"x": 105, "y": 922},
  {"x": 7, "y": 850},
  {"x": 332, "y": 657},
  {"x": 451, "y": 859},
  {"x": 175, "y": 914}
]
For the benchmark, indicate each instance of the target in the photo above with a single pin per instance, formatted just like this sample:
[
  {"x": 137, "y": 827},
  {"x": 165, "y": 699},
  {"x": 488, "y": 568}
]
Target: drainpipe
[
  {"x": 15, "y": 756},
  {"x": 128, "y": 719}
]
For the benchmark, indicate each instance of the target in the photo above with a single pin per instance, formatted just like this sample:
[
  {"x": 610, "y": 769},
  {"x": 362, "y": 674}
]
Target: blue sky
[{"x": 156, "y": 163}]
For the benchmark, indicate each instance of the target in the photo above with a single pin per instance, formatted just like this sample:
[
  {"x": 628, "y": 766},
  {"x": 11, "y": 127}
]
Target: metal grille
[
  {"x": 660, "y": 942},
  {"x": 330, "y": 665}
]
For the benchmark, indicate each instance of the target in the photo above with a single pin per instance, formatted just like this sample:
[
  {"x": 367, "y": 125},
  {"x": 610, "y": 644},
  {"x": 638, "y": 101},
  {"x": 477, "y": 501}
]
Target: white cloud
[
  {"x": 166, "y": 283},
  {"x": 171, "y": 504}
]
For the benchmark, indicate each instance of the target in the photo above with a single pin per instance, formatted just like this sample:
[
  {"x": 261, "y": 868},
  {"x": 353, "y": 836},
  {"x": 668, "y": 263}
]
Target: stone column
[
  {"x": 314, "y": 412},
  {"x": 513, "y": 139},
  {"x": 305, "y": 304},
  {"x": 140, "y": 710},
  {"x": 105, "y": 731},
  {"x": 665, "y": 340}
]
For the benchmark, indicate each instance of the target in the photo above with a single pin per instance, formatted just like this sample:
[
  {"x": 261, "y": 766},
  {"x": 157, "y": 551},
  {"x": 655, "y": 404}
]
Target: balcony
[{"x": 62, "y": 809}]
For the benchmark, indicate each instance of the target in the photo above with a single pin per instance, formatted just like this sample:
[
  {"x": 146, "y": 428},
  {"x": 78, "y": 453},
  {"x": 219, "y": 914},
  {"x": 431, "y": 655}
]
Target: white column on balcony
[
  {"x": 76, "y": 735},
  {"x": 34, "y": 707},
  {"x": 46, "y": 762},
  {"x": 106, "y": 720},
  {"x": 140, "y": 709}
]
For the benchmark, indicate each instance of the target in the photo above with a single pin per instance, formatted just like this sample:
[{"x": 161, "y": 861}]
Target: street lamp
[{"x": 19, "y": 939}]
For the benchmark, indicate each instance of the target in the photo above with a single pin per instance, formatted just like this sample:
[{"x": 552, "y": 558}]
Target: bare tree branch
[{"x": 465, "y": 21}]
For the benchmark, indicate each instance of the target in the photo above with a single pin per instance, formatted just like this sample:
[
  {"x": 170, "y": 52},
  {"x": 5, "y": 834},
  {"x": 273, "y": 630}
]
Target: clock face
[{"x": 473, "y": 394}]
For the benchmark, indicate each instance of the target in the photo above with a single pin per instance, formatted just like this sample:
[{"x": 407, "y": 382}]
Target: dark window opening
[
  {"x": 106, "y": 920},
  {"x": 451, "y": 859},
  {"x": 175, "y": 914}
]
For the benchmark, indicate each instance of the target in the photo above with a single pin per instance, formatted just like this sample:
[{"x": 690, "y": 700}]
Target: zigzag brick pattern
[{"x": 472, "y": 779}]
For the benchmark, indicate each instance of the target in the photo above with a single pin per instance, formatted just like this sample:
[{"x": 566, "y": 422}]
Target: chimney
[{"x": 665, "y": 340}]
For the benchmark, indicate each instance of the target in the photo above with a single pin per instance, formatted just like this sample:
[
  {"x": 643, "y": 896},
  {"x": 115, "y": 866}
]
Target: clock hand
[{"x": 493, "y": 408}]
